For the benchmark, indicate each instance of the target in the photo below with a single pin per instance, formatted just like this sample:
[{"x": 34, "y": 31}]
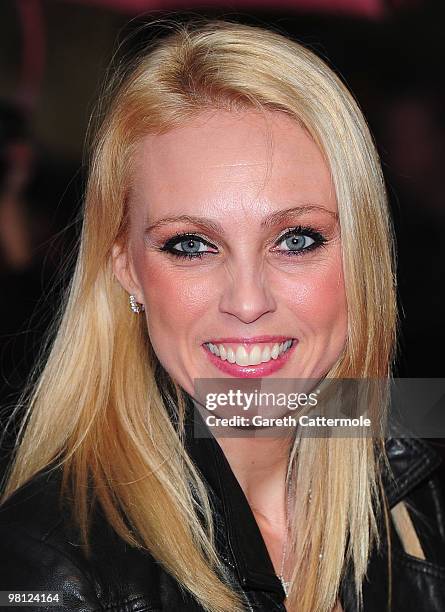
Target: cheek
[
  {"x": 174, "y": 298},
  {"x": 317, "y": 296}
]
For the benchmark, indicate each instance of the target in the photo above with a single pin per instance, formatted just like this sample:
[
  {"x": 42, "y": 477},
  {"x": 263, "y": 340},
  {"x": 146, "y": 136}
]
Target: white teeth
[
  {"x": 266, "y": 354},
  {"x": 256, "y": 355},
  {"x": 242, "y": 358}
]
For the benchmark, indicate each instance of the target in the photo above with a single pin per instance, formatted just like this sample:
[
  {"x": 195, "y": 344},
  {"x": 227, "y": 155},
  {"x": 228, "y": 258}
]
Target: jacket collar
[
  {"x": 410, "y": 461},
  {"x": 240, "y": 534}
]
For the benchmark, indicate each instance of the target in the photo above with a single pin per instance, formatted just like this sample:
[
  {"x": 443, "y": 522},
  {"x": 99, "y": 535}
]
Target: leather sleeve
[{"x": 30, "y": 564}]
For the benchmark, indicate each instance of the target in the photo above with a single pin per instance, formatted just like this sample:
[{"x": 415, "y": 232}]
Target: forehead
[{"x": 230, "y": 166}]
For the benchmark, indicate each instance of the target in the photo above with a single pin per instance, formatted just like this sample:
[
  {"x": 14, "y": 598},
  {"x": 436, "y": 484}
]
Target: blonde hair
[{"x": 84, "y": 411}]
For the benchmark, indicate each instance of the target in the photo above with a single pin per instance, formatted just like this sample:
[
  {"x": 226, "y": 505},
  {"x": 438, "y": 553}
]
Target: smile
[
  {"x": 242, "y": 356},
  {"x": 250, "y": 357}
]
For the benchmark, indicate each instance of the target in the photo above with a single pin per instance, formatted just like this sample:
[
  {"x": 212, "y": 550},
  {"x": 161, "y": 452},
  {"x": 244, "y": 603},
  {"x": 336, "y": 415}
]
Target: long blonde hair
[{"x": 96, "y": 407}]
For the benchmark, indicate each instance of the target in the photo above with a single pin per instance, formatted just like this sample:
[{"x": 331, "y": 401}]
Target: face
[{"x": 234, "y": 248}]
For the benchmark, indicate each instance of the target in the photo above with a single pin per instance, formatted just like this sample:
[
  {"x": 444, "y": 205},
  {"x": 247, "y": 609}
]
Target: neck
[{"x": 259, "y": 464}]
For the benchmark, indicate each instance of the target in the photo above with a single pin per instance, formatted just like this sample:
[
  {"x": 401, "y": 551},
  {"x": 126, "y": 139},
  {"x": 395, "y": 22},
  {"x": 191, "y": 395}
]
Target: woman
[{"x": 235, "y": 226}]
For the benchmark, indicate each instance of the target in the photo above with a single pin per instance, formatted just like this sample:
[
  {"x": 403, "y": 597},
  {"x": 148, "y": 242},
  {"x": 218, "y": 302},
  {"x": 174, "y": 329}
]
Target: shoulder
[
  {"x": 41, "y": 551},
  {"x": 408, "y": 568},
  {"x": 416, "y": 498},
  {"x": 416, "y": 544},
  {"x": 415, "y": 481},
  {"x": 412, "y": 461},
  {"x": 34, "y": 506},
  {"x": 35, "y": 553}
]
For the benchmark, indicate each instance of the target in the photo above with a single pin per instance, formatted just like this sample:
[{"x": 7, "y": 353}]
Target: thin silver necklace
[{"x": 286, "y": 583}]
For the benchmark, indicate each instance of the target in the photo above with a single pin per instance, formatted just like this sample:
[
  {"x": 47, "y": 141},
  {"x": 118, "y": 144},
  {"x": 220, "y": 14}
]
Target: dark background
[{"x": 52, "y": 59}]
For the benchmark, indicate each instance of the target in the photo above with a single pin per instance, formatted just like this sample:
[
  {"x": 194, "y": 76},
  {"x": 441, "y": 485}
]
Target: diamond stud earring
[{"x": 135, "y": 306}]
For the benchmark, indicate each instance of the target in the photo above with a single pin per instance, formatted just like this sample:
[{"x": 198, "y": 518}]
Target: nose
[{"x": 247, "y": 295}]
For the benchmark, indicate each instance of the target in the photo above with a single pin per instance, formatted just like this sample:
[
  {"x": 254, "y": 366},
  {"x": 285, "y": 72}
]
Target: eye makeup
[
  {"x": 298, "y": 241},
  {"x": 292, "y": 238},
  {"x": 186, "y": 241}
]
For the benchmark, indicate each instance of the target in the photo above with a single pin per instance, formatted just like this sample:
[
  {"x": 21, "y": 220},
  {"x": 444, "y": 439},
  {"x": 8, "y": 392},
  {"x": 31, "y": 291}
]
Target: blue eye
[
  {"x": 191, "y": 245},
  {"x": 297, "y": 243},
  {"x": 299, "y": 240},
  {"x": 187, "y": 245}
]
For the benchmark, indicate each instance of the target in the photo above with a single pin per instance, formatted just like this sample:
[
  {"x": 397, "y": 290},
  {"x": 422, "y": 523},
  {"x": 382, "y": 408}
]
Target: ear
[{"x": 124, "y": 272}]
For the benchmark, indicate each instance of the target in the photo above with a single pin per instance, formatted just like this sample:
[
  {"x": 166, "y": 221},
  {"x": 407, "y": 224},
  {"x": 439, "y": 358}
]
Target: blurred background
[{"x": 52, "y": 60}]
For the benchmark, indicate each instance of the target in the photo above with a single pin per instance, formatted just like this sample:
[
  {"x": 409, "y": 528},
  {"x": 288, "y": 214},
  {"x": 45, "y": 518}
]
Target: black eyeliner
[
  {"x": 317, "y": 236},
  {"x": 299, "y": 230},
  {"x": 170, "y": 243}
]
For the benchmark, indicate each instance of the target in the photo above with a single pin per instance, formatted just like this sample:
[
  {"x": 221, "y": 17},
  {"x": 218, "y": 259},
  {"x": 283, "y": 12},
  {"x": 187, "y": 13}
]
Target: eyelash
[{"x": 317, "y": 237}]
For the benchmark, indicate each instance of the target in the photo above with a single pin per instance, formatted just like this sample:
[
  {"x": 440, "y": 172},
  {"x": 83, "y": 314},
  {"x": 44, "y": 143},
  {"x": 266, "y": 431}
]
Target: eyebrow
[{"x": 273, "y": 219}]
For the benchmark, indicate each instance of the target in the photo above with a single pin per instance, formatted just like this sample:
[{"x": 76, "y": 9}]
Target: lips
[
  {"x": 250, "y": 357},
  {"x": 245, "y": 355}
]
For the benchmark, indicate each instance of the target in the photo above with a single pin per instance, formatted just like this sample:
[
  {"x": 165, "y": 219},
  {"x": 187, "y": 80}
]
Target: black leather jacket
[{"x": 39, "y": 551}]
